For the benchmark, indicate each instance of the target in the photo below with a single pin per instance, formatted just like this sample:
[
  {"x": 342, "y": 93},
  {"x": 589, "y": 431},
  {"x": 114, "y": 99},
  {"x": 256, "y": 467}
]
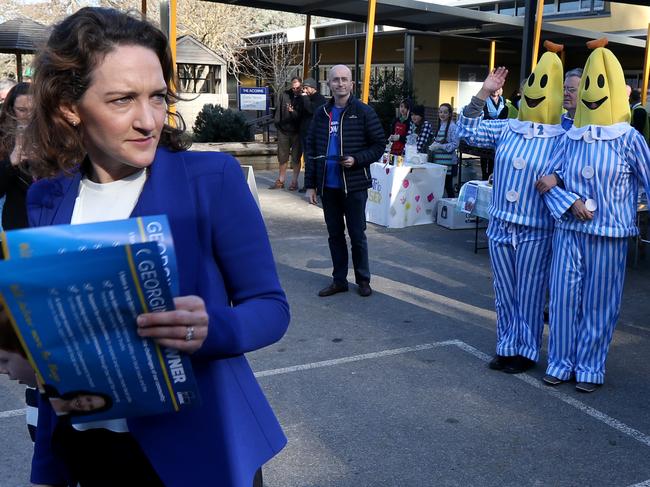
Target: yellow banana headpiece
[
  {"x": 541, "y": 99},
  {"x": 602, "y": 98}
]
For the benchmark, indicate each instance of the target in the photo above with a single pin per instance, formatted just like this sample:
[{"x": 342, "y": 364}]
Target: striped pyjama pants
[
  {"x": 587, "y": 276},
  {"x": 520, "y": 267}
]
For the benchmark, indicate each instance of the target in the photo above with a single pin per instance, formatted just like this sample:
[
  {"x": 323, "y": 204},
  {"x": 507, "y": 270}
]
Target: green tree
[{"x": 386, "y": 92}]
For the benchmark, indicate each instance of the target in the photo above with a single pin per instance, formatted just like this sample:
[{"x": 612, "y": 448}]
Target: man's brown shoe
[
  {"x": 277, "y": 185},
  {"x": 364, "y": 289},
  {"x": 333, "y": 289}
]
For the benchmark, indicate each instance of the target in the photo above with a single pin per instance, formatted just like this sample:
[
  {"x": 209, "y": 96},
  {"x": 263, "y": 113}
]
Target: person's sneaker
[
  {"x": 332, "y": 289},
  {"x": 551, "y": 380},
  {"x": 500, "y": 362},
  {"x": 277, "y": 185},
  {"x": 364, "y": 289},
  {"x": 587, "y": 386},
  {"x": 519, "y": 364}
]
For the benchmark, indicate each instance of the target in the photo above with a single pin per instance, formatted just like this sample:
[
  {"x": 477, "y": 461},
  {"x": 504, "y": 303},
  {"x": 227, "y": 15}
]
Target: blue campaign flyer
[
  {"x": 75, "y": 314},
  {"x": 59, "y": 239}
]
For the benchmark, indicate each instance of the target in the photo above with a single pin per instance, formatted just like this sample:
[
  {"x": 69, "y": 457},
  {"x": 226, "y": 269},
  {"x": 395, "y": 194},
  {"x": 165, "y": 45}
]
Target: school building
[{"x": 443, "y": 49}]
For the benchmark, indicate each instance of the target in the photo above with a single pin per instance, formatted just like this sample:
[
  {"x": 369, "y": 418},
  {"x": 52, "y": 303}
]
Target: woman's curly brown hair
[{"x": 63, "y": 73}]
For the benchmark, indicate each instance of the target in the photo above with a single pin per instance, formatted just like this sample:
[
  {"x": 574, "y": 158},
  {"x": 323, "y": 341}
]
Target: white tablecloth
[{"x": 404, "y": 196}]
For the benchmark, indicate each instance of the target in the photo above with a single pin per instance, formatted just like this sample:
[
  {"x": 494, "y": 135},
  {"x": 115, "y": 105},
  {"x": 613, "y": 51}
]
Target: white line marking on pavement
[
  {"x": 532, "y": 381},
  {"x": 588, "y": 410},
  {"x": 13, "y": 413},
  {"x": 580, "y": 406},
  {"x": 642, "y": 484},
  {"x": 354, "y": 358}
]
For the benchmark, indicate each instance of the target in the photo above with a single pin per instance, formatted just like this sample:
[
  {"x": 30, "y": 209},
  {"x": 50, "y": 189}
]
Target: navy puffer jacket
[{"x": 361, "y": 136}]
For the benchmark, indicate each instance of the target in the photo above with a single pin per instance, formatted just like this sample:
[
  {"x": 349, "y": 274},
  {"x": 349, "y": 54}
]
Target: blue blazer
[{"x": 225, "y": 257}]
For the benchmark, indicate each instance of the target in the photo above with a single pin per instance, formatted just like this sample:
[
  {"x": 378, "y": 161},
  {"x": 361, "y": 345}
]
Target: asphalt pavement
[{"x": 393, "y": 390}]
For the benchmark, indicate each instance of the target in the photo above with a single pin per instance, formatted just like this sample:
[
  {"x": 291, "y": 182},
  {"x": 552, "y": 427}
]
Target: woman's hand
[
  {"x": 434, "y": 146},
  {"x": 184, "y": 329},
  {"x": 16, "y": 156},
  {"x": 495, "y": 80},
  {"x": 545, "y": 183},
  {"x": 580, "y": 211}
]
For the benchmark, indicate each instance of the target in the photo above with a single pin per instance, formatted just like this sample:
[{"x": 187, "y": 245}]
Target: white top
[{"x": 99, "y": 203}]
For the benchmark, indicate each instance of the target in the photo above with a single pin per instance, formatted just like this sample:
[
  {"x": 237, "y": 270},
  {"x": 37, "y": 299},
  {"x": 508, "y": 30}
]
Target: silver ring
[{"x": 189, "y": 334}]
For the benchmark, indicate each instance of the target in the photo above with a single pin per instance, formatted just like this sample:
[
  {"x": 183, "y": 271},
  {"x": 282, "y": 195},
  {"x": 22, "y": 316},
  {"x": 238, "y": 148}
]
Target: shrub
[
  {"x": 386, "y": 91},
  {"x": 214, "y": 124}
]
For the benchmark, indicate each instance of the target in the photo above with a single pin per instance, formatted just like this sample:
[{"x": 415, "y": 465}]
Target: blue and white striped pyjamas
[
  {"x": 521, "y": 228},
  {"x": 602, "y": 166},
  {"x": 520, "y": 263}
]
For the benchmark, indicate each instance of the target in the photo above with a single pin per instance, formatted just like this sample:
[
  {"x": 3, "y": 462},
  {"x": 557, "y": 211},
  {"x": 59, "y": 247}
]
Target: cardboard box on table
[
  {"x": 403, "y": 196},
  {"x": 450, "y": 216}
]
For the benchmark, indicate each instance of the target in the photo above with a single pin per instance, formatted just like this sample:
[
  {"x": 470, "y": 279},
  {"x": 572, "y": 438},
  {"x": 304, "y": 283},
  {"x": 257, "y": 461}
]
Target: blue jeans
[{"x": 341, "y": 210}]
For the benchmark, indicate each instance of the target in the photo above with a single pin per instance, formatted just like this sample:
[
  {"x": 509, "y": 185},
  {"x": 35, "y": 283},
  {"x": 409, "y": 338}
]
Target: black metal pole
[
  {"x": 527, "y": 38},
  {"x": 409, "y": 61}
]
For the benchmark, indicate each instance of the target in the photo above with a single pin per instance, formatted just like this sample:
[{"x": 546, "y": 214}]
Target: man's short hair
[
  {"x": 577, "y": 72},
  {"x": 635, "y": 96},
  {"x": 296, "y": 78}
]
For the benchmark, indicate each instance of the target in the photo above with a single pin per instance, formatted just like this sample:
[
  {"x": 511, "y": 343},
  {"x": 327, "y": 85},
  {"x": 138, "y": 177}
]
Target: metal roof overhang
[{"x": 430, "y": 17}]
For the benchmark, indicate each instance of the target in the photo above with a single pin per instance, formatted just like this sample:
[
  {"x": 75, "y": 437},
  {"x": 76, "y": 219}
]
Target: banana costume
[
  {"x": 521, "y": 228},
  {"x": 602, "y": 162}
]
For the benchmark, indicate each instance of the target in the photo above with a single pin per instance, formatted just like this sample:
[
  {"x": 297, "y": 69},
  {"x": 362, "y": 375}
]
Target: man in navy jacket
[{"x": 345, "y": 137}]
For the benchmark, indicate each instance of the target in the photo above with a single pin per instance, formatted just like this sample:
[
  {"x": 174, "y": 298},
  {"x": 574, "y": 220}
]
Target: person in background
[
  {"x": 345, "y": 137},
  {"x": 570, "y": 101},
  {"x": 515, "y": 98},
  {"x": 15, "y": 177},
  {"x": 311, "y": 101},
  {"x": 5, "y": 85},
  {"x": 106, "y": 146},
  {"x": 287, "y": 122},
  {"x": 444, "y": 146},
  {"x": 639, "y": 115},
  {"x": 421, "y": 127},
  {"x": 400, "y": 128}
]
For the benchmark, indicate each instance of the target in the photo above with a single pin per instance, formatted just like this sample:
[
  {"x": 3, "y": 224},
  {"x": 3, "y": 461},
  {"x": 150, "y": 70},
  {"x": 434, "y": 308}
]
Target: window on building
[
  {"x": 572, "y": 5},
  {"x": 551, "y": 7},
  {"x": 507, "y": 8},
  {"x": 199, "y": 78}
]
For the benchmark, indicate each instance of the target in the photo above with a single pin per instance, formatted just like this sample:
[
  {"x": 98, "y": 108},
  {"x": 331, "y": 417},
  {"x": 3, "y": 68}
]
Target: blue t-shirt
[
  {"x": 567, "y": 122},
  {"x": 333, "y": 170}
]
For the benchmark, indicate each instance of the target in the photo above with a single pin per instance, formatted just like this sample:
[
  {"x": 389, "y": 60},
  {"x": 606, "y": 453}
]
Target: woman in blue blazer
[{"x": 102, "y": 88}]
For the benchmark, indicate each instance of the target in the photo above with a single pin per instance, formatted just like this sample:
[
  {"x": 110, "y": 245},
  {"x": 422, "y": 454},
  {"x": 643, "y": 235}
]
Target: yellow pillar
[
  {"x": 172, "y": 43},
  {"x": 646, "y": 69},
  {"x": 538, "y": 32},
  {"x": 143, "y": 9},
  {"x": 493, "y": 48},
  {"x": 306, "y": 50},
  {"x": 367, "y": 58}
]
